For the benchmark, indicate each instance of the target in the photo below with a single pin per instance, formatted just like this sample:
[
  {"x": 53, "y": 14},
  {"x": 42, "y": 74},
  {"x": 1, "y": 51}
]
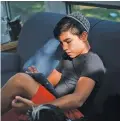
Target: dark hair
[{"x": 66, "y": 24}]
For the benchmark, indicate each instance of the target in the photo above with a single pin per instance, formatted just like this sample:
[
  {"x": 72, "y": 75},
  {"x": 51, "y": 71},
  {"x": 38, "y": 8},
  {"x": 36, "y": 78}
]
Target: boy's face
[{"x": 72, "y": 44}]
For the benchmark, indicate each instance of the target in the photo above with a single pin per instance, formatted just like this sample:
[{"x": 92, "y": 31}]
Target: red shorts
[{"x": 44, "y": 96}]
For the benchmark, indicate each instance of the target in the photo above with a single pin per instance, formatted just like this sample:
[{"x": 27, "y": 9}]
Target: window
[
  {"x": 13, "y": 9},
  {"x": 25, "y": 8},
  {"x": 97, "y": 12}
]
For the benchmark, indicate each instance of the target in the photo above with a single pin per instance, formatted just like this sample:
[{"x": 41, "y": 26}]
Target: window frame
[{"x": 91, "y": 3}]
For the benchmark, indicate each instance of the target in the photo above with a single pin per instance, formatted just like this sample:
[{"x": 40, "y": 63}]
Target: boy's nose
[{"x": 65, "y": 46}]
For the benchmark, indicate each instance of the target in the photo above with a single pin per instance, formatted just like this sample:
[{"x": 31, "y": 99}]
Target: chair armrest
[{"x": 10, "y": 62}]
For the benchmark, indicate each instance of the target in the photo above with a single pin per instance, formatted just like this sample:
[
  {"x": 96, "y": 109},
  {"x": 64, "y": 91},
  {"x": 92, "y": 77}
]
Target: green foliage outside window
[
  {"x": 97, "y": 12},
  {"x": 26, "y": 8}
]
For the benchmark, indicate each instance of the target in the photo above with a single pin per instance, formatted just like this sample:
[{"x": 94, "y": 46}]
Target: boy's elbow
[{"x": 80, "y": 103}]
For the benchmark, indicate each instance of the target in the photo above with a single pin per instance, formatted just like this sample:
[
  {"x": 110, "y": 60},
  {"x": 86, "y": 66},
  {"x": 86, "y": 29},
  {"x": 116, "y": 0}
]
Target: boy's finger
[
  {"x": 31, "y": 69},
  {"x": 34, "y": 69},
  {"x": 17, "y": 105},
  {"x": 24, "y": 100},
  {"x": 27, "y": 72}
]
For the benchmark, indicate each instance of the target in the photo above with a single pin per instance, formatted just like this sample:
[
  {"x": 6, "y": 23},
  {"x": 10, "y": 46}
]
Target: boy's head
[{"x": 72, "y": 31}]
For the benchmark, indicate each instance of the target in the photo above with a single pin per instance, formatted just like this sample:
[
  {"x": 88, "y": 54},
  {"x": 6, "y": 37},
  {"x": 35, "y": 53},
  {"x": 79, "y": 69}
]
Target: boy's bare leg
[{"x": 20, "y": 84}]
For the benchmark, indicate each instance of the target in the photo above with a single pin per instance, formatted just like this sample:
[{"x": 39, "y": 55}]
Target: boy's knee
[{"x": 19, "y": 79}]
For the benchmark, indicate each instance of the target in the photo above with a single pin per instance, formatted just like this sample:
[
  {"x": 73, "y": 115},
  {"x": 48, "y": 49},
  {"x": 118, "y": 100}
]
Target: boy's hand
[
  {"x": 32, "y": 69},
  {"x": 21, "y": 105}
]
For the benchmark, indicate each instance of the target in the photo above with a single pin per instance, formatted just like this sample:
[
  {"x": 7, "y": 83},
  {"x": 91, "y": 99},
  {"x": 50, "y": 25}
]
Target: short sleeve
[
  {"x": 60, "y": 66},
  {"x": 93, "y": 68}
]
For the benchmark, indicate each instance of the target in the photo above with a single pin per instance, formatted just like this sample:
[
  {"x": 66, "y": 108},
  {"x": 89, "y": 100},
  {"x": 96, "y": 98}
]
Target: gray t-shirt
[{"x": 85, "y": 65}]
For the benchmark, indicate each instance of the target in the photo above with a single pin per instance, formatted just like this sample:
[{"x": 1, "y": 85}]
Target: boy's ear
[{"x": 84, "y": 36}]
